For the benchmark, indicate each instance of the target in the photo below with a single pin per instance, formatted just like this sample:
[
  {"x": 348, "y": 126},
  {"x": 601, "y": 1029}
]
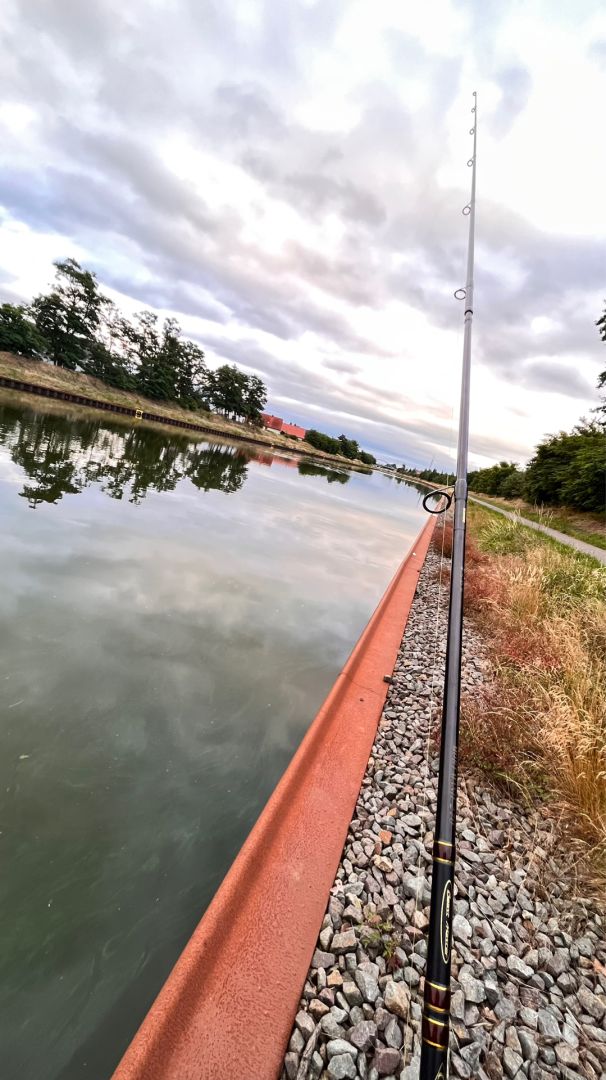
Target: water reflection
[
  {"x": 164, "y": 650},
  {"x": 59, "y": 458}
]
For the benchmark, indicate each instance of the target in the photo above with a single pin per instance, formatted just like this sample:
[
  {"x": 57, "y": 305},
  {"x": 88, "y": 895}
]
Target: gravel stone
[
  {"x": 397, "y": 999},
  {"x": 518, "y": 967},
  {"x": 345, "y": 942},
  {"x": 342, "y": 1067},
  {"x": 528, "y": 957},
  {"x": 387, "y": 1060}
]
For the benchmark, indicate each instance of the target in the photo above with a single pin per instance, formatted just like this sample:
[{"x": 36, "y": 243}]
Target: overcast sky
[{"x": 287, "y": 178}]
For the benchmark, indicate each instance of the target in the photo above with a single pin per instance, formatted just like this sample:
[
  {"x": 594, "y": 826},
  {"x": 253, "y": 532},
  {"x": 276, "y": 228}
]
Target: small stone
[
  {"x": 518, "y": 967},
  {"x": 461, "y": 928},
  {"x": 342, "y": 1067},
  {"x": 397, "y": 999},
  {"x": 297, "y": 1042},
  {"x": 558, "y": 963},
  {"x": 291, "y": 1065},
  {"x": 548, "y": 1025},
  {"x": 472, "y": 988},
  {"x": 566, "y": 1055},
  {"x": 335, "y": 978},
  {"x": 387, "y": 1060},
  {"x": 367, "y": 980},
  {"x": 590, "y": 1003},
  {"x": 322, "y": 959},
  {"x": 530, "y": 1050},
  {"x": 352, "y": 994},
  {"x": 325, "y": 937},
  {"x": 385, "y": 836},
  {"x": 505, "y": 1010},
  {"x": 393, "y": 1035},
  {"x": 471, "y": 1056},
  {"x": 315, "y": 1067},
  {"x": 512, "y": 1062},
  {"x": 493, "y": 1067},
  {"x": 318, "y": 1009},
  {"x": 305, "y": 1024},
  {"x": 331, "y": 1027},
  {"x": 383, "y": 863},
  {"x": 345, "y": 942},
  {"x": 340, "y": 1046},
  {"x": 363, "y": 1035}
]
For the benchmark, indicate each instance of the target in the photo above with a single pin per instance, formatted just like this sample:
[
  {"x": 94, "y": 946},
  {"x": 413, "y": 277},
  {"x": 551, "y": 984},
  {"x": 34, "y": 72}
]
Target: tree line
[
  {"x": 341, "y": 445},
  {"x": 567, "y": 469},
  {"x": 76, "y": 327}
]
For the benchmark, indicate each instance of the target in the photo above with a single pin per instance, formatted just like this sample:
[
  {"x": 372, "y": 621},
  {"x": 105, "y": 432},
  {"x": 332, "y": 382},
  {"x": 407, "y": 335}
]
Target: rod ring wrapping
[
  {"x": 432, "y": 494},
  {"x": 460, "y": 294},
  {"x": 466, "y": 210}
]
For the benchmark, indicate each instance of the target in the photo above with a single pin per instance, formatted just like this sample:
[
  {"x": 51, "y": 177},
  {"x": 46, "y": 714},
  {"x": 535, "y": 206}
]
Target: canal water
[{"x": 172, "y": 614}]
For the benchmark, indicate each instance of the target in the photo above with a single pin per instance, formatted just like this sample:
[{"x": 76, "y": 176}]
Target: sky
[{"x": 287, "y": 179}]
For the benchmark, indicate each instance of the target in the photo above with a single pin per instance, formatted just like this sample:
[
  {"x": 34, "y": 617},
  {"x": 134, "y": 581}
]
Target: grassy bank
[
  {"x": 33, "y": 371},
  {"x": 588, "y": 527},
  {"x": 540, "y": 728}
]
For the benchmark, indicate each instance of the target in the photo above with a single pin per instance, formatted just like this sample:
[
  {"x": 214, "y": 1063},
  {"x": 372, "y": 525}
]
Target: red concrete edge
[{"x": 227, "y": 1008}]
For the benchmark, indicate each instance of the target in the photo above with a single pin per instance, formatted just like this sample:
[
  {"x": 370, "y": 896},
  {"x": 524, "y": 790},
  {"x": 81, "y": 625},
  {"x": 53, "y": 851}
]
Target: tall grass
[{"x": 541, "y": 727}]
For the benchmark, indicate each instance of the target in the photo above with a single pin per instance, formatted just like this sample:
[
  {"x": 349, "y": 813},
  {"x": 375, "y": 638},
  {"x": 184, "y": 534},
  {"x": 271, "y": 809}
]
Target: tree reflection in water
[{"x": 61, "y": 456}]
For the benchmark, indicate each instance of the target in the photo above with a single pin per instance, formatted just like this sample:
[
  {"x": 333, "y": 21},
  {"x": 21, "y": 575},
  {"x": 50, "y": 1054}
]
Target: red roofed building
[
  {"x": 294, "y": 430},
  {"x": 275, "y": 423}
]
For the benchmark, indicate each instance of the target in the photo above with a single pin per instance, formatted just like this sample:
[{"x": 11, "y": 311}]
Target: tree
[
  {"x": 323, "y": 442},
  {"x": 109, "y": 356},
  {"x": 19, "y": 334},
  {"x": 366, "y": 458},
  {"x": 569, "y": 468},
  {"x": 68, "y": 317},
  {"x": 348, "y": 447},
  {"x": 228, "y": 390},
  {"x": 255, "y": 399}
]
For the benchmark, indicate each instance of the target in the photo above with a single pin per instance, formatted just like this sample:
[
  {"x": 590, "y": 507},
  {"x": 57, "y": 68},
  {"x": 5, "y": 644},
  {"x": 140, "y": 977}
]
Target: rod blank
[{"x": 436, "y": 1005}]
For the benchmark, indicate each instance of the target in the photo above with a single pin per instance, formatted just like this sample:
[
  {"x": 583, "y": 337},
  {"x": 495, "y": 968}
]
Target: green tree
[
  {"x": 19, "y": 334},
  {"x": 348, "y": 447},
  {"x": 367, "y": 458},
  {"x": 228, "y": 390},
  {"x": 570, "y": 468},
  {"x": 68, "y": 317},
  {"x": 323, "y": 442},
  {"x": 255, "y": 399}
]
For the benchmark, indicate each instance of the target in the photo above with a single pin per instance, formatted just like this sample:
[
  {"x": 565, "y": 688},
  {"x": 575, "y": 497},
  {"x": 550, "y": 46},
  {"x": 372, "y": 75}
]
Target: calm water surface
[{"x": 172, "y": 614}]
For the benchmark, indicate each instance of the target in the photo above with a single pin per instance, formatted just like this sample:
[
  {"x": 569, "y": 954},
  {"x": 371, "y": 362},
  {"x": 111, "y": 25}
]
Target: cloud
[{"x": 287, "y": 179}]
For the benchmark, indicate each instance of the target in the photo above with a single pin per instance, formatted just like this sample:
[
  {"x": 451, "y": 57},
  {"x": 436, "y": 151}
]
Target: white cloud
[{"x": 288, "y": 179}]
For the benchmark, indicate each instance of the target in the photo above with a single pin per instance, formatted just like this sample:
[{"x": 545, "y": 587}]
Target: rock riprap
[{"x": 529, "y": 955}]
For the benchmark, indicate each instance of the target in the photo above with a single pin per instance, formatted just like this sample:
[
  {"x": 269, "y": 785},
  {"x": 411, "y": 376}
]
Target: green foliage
[
  {"x": 342, "y": 445},
  {"x": 569, "y": 468},
  {"x": 19, "y": 334},
  {"x": 79, "y": 328},
  {"x": 348, "y": 447},
  {"x": 503, "y": 479},
  {"x": 323, "y": 442},
  {"x": 68, "y": 317}
]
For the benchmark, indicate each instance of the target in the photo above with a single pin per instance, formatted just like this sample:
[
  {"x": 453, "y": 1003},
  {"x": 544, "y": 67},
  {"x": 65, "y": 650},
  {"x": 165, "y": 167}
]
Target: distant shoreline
[{"x": 41, "y": 381}]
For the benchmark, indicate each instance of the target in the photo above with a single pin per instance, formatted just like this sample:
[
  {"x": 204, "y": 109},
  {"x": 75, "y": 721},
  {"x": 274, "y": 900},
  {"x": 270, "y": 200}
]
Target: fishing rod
[{"x": 436, "y": 1003}]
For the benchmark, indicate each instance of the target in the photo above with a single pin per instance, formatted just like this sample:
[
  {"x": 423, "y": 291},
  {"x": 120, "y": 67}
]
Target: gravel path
[
  {"x": 571, "y": 541},
  {"x": 528, "y": 970}
]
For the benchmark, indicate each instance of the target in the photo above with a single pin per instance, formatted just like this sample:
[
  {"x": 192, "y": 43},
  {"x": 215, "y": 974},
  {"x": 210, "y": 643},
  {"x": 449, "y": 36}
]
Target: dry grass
[{"x": 541, "y": 727}]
